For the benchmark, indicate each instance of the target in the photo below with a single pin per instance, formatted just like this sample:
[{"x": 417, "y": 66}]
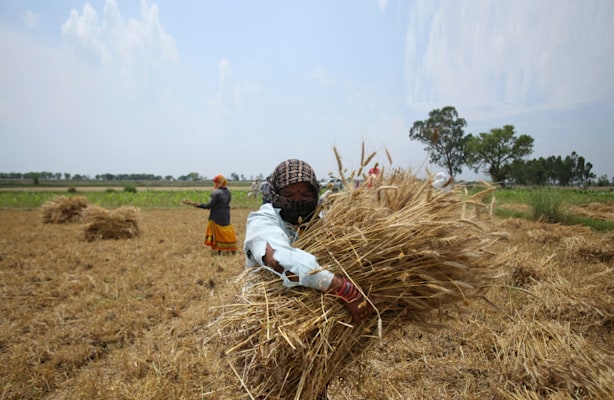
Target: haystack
[
  {"x": 62, "y": 209},
  {"x": 407, "y": 245},
  {"x": 100, "y": 223}
]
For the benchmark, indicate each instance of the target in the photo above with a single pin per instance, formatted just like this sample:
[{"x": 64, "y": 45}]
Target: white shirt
[{"x": 266, "y": 226}]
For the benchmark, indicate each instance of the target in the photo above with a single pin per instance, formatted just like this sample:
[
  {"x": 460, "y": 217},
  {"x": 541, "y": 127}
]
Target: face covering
[
  {"x": 289, "y": 172},
  {"x": 296, "y": 211}
]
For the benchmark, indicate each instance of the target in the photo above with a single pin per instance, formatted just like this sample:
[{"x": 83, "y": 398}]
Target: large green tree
[
  {"x": 444, "y": 137},
  {"x": 495, "y": 150}
]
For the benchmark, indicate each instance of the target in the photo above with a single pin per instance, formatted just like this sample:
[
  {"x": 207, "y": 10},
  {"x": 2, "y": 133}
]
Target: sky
[{"x": 220, "y": 87}]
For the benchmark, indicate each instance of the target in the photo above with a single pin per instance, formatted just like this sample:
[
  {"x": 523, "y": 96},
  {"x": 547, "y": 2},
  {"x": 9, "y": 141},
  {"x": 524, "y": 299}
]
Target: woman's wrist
[
  {"x": 345, "y": 289},
  {"x": 335, "y": 284}
]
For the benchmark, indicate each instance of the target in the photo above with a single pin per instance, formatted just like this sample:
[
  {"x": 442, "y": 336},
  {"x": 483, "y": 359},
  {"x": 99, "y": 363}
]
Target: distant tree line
[
  {"x": 36, "y": 177},
  {"x": 501, "y": 153},
  {"x": 59, "y": 176},
  {"x": 573, "y": 169}
]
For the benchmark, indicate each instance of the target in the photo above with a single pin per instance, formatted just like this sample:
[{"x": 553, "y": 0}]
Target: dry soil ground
[{"x": 129, "y": 319}]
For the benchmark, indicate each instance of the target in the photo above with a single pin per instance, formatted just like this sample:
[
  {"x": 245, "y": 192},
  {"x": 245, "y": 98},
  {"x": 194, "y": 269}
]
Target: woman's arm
[
  {"x": 215, "y": 197},
  {"x": 297, "y": 267},
  {"x": 268, "y": 243}
]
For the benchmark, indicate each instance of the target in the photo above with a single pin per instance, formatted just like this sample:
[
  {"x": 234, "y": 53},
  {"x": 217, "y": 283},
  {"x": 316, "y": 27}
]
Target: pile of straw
[
  {"x": 403, "y": 242},
  {"x": 100, "y": 223},
  {"x": 62, "y": 209}
]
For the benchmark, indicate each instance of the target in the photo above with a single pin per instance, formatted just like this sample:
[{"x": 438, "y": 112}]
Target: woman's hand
[
  {"x": 355, "y": 302},
  {"x": 358, "y": 306},
  {"x": 190, "y": 202}
]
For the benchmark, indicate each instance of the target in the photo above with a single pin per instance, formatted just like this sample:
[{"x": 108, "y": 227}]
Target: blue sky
[{"x": 169, "y": 87}]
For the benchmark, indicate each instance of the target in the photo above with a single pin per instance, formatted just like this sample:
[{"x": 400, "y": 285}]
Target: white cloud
[
  {"x": 517, "y": 55},
  {"x": 132, "y": 48},
  {"x": 84, "y": 31}
]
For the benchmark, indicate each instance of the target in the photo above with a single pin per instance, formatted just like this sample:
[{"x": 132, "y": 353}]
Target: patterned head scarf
[
  {"x": 287, "y": 173},
  {"x": 219, "y": 180}
]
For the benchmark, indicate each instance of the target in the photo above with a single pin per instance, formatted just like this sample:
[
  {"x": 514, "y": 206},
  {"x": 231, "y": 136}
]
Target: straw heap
[
  {"x": 100, "y": 223},
  {"x": 62, "y": 209},
  {"x": 404, "y": 243}
]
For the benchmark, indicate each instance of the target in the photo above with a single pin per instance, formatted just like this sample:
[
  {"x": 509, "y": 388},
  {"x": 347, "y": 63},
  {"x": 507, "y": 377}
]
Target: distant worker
[
  {"x": 265, "y": 190},
  {"x": 330, "y": 189},
  {"x": 373, "y": 175},
  {"x": 442, "y": 181},
  {"x": 220, "y": 234},
  {"x": 254, "y": 189}
]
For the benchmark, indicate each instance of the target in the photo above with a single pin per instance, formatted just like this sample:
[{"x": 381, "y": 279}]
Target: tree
[
  {"x": 582, "y": 170},
  {"x": 495, "y": 150},
  {"x": 563, "y": 169},
  {"x": 603, "y": 180},
  {"x": 194, "y": 177},
  {"x": 444, "y": 136},
  {"x": 530, "y": 172}
]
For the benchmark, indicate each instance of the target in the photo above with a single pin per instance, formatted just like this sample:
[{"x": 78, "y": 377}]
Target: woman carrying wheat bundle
[
  {"x": 271, "y": 231},
  {"x": 320, "y": 292}
]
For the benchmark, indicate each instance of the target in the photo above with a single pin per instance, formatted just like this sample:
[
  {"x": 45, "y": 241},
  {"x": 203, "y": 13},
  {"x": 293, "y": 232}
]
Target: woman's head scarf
[
  {"x": 287, "y": 173},
  {"x": 219, "y": 181}
]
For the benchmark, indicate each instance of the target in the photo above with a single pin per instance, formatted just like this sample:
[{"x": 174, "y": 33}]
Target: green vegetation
[
  {"x": 42, "y": 182},
  {"x": 595, "y": 224},
  {"x": 547, "y": 205},
  {"x": 111, "y": 198},
  {"x": 130, "y": 188}
]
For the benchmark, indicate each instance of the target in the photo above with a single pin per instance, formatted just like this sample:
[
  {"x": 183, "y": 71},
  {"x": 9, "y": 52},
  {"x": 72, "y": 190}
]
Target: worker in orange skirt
[{"x": 220, "y": 234}]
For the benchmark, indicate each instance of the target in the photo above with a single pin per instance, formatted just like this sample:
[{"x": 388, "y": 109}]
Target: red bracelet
[{"x": 348, "y": 291}]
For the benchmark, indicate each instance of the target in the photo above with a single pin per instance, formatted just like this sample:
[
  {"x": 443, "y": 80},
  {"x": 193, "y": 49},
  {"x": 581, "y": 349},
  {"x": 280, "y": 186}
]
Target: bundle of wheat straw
[
  {"x": 403, "y": 242},
  {"x": 100, "y": 223},
  {"x": 62, "y": 209}
]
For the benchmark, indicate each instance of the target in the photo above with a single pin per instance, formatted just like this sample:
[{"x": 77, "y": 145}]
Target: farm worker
[
  {"x": 324, "y": 201},
  {"x": 442, "y": 181},
  {"x": 272, "y": 229},
  {"x": 254, "y": 189},
  {"x": 265, "y": 190},
  {"x": 220, "y": 234},
  {"x": 373, "y": 175}
]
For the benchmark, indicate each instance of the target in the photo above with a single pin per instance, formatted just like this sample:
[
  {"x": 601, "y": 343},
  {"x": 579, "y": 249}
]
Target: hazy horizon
[{"x": 170, "y": 88}]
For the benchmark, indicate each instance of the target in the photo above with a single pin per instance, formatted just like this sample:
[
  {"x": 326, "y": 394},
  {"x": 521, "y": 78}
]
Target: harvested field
[
  {"x": 600, "y": 211},
  {"x": 129, "y": 318}
]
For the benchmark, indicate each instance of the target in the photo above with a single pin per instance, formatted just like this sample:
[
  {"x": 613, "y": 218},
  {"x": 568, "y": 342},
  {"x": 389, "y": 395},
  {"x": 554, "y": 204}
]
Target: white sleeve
[{"x": 266, "y": 226}]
